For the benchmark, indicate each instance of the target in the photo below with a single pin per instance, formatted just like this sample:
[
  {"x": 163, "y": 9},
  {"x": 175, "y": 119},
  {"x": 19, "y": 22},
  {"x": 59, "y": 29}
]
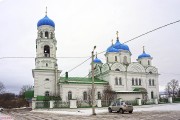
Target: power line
[
  {"x": 78, "y": 65},
  {"x": 153, "y": 30},
  {"x": 170, "y": 73},
  {"x": 104, "y": 51},
  {"x": 142, "y": 35},
  {"x": 147, "y": 33},
  {"x": 35, "y": 57}
]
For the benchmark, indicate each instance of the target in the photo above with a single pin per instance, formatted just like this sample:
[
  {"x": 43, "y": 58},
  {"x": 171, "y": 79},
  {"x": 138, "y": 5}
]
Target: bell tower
[{"x": 46, "y": 73}]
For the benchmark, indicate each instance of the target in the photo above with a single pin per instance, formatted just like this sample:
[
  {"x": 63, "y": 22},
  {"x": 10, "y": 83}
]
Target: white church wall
[
  {"x": 78, "y": 89},
  {"x": 122, "y": 55},
  {"x": 41, "y": 84},
  {"x": 129, "y": 96}
]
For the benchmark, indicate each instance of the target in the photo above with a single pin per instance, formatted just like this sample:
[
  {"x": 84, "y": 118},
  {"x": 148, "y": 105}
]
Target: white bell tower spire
[{"x": 46, "y": 73}]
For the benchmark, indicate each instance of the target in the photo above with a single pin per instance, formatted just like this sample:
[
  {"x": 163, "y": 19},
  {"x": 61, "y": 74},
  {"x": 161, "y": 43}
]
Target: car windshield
[{"x": 128, "y": 103}]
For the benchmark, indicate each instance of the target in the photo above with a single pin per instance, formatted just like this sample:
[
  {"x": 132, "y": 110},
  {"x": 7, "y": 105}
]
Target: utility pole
[{"x": 93, "y": 90}]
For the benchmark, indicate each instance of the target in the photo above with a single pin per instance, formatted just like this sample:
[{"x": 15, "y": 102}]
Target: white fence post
[
  {"x": 170, "y": 99},
  {"x": 51, "y": 104},
  {"x": 139, "y": 101},
  {"x": 99, "y": 103},
  {"x": 73, "y": 103},
  {"x": 33, "y": 103},
  {"x": 156, "y": 101}
]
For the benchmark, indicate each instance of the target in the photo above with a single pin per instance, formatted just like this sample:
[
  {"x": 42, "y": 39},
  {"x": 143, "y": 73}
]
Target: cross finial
[
  {"x": 143, "y": 49},
  {"x": 46, "y": 10},
  {"x": 96, "y": 54},
  {"x": 117, "y": 34},
  {"x": 112, "y": 41}
]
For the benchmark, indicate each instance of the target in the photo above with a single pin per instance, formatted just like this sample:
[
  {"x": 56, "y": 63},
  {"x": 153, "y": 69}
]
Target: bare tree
[
  {"x": 172, "y": 87},
  {"x": 2, "y": 88},
  {"x": 89, "y": 95},
  {"x": 108, "y": 95},
  {"x": 25, "y": 88}
]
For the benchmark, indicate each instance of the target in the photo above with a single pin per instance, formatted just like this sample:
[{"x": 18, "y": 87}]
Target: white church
[{"x": 130, "y": 80}]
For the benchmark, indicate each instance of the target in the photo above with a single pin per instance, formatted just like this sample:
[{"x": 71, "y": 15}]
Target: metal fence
[
  {"x": 42, "y": 104},
  {"x": 61, "y": 104}
]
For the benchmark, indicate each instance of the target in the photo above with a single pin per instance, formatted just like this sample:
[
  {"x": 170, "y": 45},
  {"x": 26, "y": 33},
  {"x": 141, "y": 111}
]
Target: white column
[
  {"x": 139, "y": 101},
  {"x": 33, "y": 103},
  {"x": 99, "y": 103},
  {"x": 73, "y": 104},
  {"x": 170, "y": 99},
  {"x": 156, "y": 101},
  {"x": 51, "y": 104}
]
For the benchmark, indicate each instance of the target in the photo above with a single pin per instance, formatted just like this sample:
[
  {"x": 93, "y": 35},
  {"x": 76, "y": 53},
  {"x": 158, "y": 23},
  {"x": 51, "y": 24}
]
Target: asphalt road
[{"x": 138, "y": 115}]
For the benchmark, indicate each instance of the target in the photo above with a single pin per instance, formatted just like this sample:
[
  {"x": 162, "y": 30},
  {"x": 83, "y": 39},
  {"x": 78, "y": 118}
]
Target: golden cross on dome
[{"x": 112, "y": 41}]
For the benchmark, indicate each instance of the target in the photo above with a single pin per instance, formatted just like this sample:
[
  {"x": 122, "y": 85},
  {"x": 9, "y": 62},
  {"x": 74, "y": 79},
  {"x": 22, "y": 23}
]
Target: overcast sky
[{"x": 81, "y": 24}]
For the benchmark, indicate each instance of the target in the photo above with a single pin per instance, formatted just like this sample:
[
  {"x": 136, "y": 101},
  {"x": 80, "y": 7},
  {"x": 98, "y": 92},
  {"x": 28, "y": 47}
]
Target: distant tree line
[{"x": 10, "y": 100}]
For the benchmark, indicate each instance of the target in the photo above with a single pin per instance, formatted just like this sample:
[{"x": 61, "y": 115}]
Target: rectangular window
[
  {"x": 139, "y": 81},
  {"x": 133, "y": 81},
  {"x": 116, "y": 81},
  {"x": 153, "y": 83},
  {"x": 120, "y": 81},
  {"x": 136, "y": 81},
  {"x": 115, "y": 58},
  {"x": 149, "y": 82}
]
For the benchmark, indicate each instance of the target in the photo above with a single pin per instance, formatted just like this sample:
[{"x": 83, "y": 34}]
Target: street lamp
[{"x": 93, "y": 90}]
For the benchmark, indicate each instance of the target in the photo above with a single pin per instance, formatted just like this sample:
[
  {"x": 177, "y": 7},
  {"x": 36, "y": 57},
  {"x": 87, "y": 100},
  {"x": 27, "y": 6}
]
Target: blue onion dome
[
  {"x": 117, "y": 45},
  {"x": 112, "y": 49},
  {"x": 46, "y": 21},
  {"x": 144, "y": 55},
  {"x": 96, "y": 60},
  {"x": 124, "y": 47}
]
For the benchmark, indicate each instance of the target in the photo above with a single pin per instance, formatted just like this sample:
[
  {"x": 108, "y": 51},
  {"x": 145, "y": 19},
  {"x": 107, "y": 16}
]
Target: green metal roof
[
  {"x": 29, "y": 94},
  {"x": 81, "y": 80},
  {"x": 140, "y": 89}
]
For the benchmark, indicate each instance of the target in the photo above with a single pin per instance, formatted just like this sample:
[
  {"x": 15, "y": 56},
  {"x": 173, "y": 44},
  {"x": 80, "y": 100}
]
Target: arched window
[
  {"x": 136, "y": 81},
  {"x": 84, "y": 95},
  {"x": 117, "y": 69},
  {"x": 153, "y": 82},
  {"x": 46, "y": 65},
  {"x": 46, "y": 34},
  {"x": 139, "y": 81},
  {"x": 152, "y": 94},
  {"x": 120, "y": 81},
  {"x": 47, "y": 93},
  {"x": 149, "y": 82},
  {"x": 46, "y": 51},
  {"x": 99, "y": 95},
  {"x": 115, "y": 58},
  {"x": 132, "y": 81},
  {"x": 69, "y": 95},
  {"x": 47, "y": 79},
  {"x": 148, "y": 62},
  {"x": 125, "y": 60},
  {"x": 116, "y": 81}
]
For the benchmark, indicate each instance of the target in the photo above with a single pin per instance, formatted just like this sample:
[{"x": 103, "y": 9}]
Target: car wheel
[
  {"x": 130, "y": 111},
  {"x": 121, "y": 111},
  {"x": 110, "y": 110}
]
